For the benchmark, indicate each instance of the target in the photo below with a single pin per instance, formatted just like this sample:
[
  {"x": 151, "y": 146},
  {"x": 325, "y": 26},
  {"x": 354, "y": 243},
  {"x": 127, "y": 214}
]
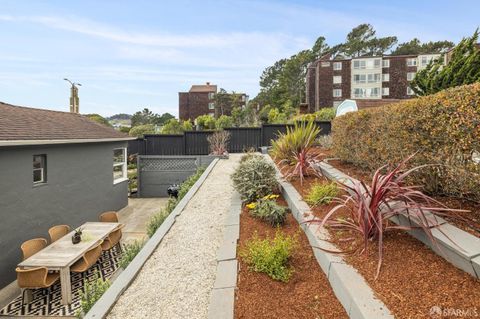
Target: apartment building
[
  {"x": 200, "y": 100},
  {"x": 331, "y": 81}
]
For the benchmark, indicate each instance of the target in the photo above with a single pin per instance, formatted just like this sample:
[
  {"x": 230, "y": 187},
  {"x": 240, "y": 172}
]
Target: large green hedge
[{"x": 443, "y": 128}]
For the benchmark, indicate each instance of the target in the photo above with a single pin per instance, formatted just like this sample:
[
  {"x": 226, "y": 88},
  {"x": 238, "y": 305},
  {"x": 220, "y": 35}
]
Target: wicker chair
[
  {"x": 35, "y": 278},
  {"x": 57, "y": 232},
  {"x": 109, "y": 217},
  {"x": 113, "y": 238},
  {"x": 32, "y": 246},
  {"x": 88, "y": 259}
]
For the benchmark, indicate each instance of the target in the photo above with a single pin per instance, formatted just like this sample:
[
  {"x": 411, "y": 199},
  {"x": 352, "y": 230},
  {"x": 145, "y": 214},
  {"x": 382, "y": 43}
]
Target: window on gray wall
[
  {"x": 119, "y": 165},
  {"x": 39, "y": 169}
]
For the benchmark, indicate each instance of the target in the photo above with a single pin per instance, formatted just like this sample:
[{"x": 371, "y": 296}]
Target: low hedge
[{"x": 443, "y": 128}]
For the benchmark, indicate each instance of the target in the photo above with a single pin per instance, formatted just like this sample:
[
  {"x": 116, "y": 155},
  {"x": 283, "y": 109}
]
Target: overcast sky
[{"x": 134, "y": 54}]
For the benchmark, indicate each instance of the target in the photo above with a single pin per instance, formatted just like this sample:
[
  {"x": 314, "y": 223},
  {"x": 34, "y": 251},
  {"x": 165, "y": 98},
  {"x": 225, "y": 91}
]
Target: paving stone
[
  {"x": 226, "y": 274},
  {"x": 221, "y": 303},
  {"x": 232, "y": 219},
  {"x": 476, "y": 266},
  {"x": 228, "y": 248}
]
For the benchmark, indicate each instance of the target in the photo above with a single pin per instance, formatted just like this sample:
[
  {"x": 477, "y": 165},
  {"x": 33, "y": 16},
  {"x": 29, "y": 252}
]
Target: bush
[
  {"x": 141, "y": 130},
  {"x": 92, "y": 291},
  {"x": 218, "y": 142},
  {"x": 325, "y": 114},
  {"x": 325, "y": 141},
  {"x": 224, "y": 121},
  {"x": 205, "y": 122},
  {"x": 188, "y": 183},
  {"x": 321, "y": 194},
  {"x": 255, "y": 178},
  {"x": 173, "y": 126},
  {"x": 270, "y": 256},
  {"x": 156, "y": 221},
  {"x": 249, "y": 155},
  {"x": 443, "y": 128},
  {"x": 130, "y": 251},
  {"x": 267, "y": 209}
]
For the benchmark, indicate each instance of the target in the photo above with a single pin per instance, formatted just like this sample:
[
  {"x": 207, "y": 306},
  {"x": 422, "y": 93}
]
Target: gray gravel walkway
[{"x": 177, "y": 279}]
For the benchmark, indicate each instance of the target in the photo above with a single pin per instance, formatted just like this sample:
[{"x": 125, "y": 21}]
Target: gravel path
[{"x": 177, "y": 279}]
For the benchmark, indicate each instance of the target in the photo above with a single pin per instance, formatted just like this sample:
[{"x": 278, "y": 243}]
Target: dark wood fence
[{"x": 195, "y": 142}]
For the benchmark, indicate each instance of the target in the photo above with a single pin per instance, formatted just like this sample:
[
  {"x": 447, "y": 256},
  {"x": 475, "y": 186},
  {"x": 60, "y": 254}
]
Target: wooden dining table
[{"x": 61, "y": 254}]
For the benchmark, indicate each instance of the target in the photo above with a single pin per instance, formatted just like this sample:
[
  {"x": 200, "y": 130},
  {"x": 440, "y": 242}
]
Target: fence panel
[
  {"x": 136, "y": 147},
  {"x": 164, "y": 144},
  {"x": 196, "y": 142},
  {"x": 243, "y": 138}
]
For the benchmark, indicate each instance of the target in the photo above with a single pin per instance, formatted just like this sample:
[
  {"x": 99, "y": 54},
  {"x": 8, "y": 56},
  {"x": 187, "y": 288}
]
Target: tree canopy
[
  {"x": 415, "y": 46},
  {"x": 98, "y": 118},
  {"x": 148, "y": 117}
]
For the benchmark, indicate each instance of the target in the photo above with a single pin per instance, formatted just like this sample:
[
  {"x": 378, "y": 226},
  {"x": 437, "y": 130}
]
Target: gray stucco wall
[{"x": 79, "y": 186}]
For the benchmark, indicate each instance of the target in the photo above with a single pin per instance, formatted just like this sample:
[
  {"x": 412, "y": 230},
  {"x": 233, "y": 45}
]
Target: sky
[{"x": 129, "y": 55}]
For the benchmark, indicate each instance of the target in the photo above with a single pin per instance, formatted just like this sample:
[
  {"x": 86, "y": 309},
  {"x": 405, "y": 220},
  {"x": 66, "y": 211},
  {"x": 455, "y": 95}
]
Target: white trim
[
  {"x": 120, "y": 180},
  {"x": 67, "y": 141},
  {"x": 123, "y": 164}
]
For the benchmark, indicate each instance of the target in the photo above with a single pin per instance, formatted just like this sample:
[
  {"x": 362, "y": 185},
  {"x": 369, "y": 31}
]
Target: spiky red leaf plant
[{"x": 371, "y": 207}]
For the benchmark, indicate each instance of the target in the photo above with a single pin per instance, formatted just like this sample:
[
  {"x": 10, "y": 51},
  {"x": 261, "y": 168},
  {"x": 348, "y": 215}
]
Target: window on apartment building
[
  {"x": 374, "y": 78},
  {"x": 337, "y": 66},
  {"x": 211, "y": 106},
  {"x": 385, "y": 77},
  {"x": 412, "y": 62},
  {"x": 360, "y": 78},
  {"x": 377, "y": 63},
  {"x": 211, "y": 95},
  {"x": 374, "y": 92},
  {"x": 337, "y": 93},
  {"x": 39, "y": 169},
  {"x": 359, "y": 64},
  {"x": 119, "y": 164},
  {"x": 243, "y": 98},
  {"x": 386, "y": 63},
  {"x": 337, "y": 79},
  {"x": 410, "y": 91},
  {"x": 385, "y": 91},
  {"x": 410, "y": 76},
  {"x": 325, "y": 64},
  {"x": 425, "y": 60},
  {"x": 357, "y": 92}
]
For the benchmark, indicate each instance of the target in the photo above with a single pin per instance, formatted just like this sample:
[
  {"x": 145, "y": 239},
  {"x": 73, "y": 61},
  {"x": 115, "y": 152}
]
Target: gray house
[{"x": 55, "y": 168}]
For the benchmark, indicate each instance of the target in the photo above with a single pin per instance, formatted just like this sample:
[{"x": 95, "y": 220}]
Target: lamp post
[{"x": 74, "y": 100}]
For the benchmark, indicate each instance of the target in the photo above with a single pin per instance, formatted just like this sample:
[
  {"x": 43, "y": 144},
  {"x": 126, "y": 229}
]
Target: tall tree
[
  {"x": 463, "y": 68},
  {"x": 415, "y": 46},
  {"x": 362, "y": 41},
  {"x": 142, "y": 117}
]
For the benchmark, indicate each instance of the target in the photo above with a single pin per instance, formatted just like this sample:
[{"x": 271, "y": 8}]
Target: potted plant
[{"x": 77, "y": 236}]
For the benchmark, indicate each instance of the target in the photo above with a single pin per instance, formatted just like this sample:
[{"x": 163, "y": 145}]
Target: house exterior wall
[
  {"x": 193, "y": 104},
  {"x": 398, "y": 83},
  {"x": 79, "y": 186}
]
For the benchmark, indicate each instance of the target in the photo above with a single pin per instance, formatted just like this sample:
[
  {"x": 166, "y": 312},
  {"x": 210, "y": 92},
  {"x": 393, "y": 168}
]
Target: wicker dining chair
[
  {"x": 88, "y": 259},
  {"x": 57, "y": 232},
  {"x": 32, "y": 246},
  {"x": 113, "y": 239},
  {"x": 35, "y": 278},
  {"x": 109, "y": 217}
]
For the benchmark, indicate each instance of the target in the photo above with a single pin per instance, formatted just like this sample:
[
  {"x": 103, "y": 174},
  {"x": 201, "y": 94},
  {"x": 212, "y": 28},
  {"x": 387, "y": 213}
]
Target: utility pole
[{"x": 74, "y": 100}]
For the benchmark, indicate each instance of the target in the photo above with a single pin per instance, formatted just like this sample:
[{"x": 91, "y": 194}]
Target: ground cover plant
[
  {"x": 270, "y": 255},
  {"x": 129, "y": 251},
  {"x": 321, "y": 194},
  {"x": 371, "y": 207},
  {"x": 267, "y": 209},
  {"x": 255, "y": 178},
  {"x": 93, "y": 290},
  {"x": 295, "y": 148}
]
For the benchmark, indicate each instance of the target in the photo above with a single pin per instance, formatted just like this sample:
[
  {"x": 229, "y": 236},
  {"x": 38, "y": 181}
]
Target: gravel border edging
[
  {"x": 222, "y": 299},
  {"x": 463, "y": 253},
  {"x": 103, "y": 306},
  {"x": 349, "y": 286}
]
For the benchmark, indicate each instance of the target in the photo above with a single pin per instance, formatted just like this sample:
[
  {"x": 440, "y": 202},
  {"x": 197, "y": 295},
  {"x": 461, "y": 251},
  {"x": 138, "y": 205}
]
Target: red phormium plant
[{"x": 371, "y": 207}]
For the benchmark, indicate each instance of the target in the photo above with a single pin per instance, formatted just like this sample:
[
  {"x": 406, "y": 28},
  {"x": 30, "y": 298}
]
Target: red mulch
[
  {"x": 306, "y": 295},
  {"x": 413, "y": 278}
]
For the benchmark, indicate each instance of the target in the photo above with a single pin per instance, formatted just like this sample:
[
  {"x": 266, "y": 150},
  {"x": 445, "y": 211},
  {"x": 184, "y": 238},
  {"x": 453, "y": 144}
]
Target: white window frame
[
  {"x": 385, "y": 77},
  {"x": 337, "y": 91},
  {"x": 211, "y": 106},
  {"x": 425, "y": 60},
  {"x": 410, "y": 91},
  {"x": 377, "y": 94},
  {"x": 362, "y": 64},
  {"x": 410, "y": 76},
  {"x": 386, "y": 63},
  {"x": 377, "y": 63},
  {"x": 211, "y": 95},
  {"x": 374, "y": 78},
  {"x": 337, "y": 79},
  {"x": 325, "y": 64},
  {"x": 385, "y": 91},
  {"x": 359, "y": 80},
  {"x": 122, "y": 164},
  {"x": 337, "y": 66},
  {"x": 42, "y": 169},
  {"x": 362, "y": 94},
  {"x": 412, "y": 62}
]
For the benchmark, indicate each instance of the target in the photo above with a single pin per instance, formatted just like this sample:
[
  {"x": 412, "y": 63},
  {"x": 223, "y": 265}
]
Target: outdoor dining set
[{"x": 43, "y": 265}]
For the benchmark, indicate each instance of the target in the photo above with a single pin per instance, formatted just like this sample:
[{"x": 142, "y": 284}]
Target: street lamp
[{"x": 74, "y": 100}]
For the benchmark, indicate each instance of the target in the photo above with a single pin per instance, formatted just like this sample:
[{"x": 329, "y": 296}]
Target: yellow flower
[{"x": 252, "y": 205}]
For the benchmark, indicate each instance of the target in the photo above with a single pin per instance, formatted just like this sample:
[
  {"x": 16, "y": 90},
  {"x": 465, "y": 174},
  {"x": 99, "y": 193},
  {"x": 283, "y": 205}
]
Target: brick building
[
  {"x": 380, "y": 79},
  {"x": 200, "y": 100}
]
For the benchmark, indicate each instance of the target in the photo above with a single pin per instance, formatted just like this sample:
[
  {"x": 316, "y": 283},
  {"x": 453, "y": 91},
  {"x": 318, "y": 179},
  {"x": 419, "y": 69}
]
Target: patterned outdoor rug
[{"x": 104, "y": 268}]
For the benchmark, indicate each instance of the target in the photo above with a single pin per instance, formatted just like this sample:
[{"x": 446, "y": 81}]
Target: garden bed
[
  {"x": 306, "y": 295},
  {"x": 413, "y": 279}
]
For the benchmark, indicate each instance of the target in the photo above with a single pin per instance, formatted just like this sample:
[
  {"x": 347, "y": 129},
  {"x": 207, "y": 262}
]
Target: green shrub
[
  {"x": 270, "y": 256},
  {"x": 156, "y": 221},
  {"x": 255, "y": 178},
  {"x": 130, "y": 250},
  {"x": 321, "y": 194},
  {"x": 325, "y": 114},
  {"x": 443, "y": 128},
  {"x": 270, "y": 211},
  {"x": 92, "y": 291},
  {"x": 205, "y": 122},
  {"x": 188, "y": 183},
  {"x": 141, "y": 130},
  {"x": 224, "y": 121}
]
